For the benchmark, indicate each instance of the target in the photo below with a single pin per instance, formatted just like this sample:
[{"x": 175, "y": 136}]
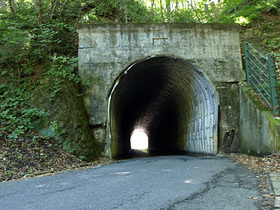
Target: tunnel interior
[{"x": 169, "y": 99}]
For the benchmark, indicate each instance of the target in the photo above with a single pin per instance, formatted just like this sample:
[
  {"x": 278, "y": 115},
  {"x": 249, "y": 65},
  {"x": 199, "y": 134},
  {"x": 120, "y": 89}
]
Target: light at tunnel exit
[{"x": 139, "y": 140}]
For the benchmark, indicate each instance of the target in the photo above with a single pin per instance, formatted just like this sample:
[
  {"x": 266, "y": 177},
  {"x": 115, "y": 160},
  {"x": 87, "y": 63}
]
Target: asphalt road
[{"x": 164, "y": 182}]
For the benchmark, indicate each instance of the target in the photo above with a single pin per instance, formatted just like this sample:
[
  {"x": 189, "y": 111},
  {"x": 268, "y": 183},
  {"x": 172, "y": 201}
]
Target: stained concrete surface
[{"x": 108, "y": 52}]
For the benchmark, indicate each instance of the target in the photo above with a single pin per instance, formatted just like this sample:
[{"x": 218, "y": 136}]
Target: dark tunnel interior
[{"x": 156, "y": 95}]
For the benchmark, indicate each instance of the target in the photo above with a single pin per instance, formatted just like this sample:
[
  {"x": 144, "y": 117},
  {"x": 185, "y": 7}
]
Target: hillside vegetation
[{"x": 38, "y": 50}]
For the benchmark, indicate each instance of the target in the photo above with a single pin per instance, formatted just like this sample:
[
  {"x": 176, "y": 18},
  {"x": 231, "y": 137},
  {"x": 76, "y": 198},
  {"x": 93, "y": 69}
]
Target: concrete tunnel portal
[{"x": 169, "y": 99}]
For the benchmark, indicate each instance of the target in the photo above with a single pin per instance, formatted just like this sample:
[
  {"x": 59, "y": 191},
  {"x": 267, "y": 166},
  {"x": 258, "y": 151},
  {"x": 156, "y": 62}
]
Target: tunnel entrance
[{"x": 169, "y": 99}]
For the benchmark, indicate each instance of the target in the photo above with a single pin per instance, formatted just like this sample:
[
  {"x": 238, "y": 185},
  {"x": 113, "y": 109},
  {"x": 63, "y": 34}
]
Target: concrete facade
[{"x": 106, "y": 51}]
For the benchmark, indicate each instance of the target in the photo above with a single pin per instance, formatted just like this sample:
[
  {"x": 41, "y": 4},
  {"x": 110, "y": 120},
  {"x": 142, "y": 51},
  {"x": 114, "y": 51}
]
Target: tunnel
[{"x": 169, "y": 99}]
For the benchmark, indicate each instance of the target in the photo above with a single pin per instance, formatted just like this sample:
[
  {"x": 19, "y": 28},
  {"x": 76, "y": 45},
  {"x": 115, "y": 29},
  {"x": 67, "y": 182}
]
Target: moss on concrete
[
  {"x": 251, "y": 93},
  {"x": 66, "y": 120},
  {"x": 148, "y": 26},
  {"x": 259, "y": 129}
]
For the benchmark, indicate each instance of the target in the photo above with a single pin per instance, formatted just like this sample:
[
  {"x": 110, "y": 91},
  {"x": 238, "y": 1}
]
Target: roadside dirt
[
  {"x": 259, "y": 164},
  {"x": 32, "y": 155}
]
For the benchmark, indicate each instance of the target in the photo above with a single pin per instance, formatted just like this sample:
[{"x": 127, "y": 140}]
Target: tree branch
[
  {"x": 53, "y": 9},
  {"x": 63, "y": 5}
]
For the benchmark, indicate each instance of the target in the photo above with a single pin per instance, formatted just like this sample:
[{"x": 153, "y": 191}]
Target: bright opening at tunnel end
[{"x": 139, "y": 139}]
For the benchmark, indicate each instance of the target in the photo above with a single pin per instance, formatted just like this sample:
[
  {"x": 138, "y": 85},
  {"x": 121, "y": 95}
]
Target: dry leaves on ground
[
  {"x": 32, "y": 155},
  {"x": 259, "y": 164}
]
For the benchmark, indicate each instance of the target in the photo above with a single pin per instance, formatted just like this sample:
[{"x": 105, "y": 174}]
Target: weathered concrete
[
  {"x": 229, "y": 116},
  {"x": 259, "y": 130},
  {"x": 107, "y": 51}
]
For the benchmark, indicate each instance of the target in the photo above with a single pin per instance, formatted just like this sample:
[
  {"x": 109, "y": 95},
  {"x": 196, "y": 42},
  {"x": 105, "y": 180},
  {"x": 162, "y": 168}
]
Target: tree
[
  {"x": 13, "y": 6},
  {"x": 152, "y": 9},
  {"x": 168, "y": 9},
  {"x": 38, "y": 5}
]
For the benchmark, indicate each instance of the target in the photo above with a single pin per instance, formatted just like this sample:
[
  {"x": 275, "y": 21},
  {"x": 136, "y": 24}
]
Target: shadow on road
[{"x": 134, "y": 153}]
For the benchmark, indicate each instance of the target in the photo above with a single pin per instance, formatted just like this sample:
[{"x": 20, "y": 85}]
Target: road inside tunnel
[{"x": 169, "y": 100}]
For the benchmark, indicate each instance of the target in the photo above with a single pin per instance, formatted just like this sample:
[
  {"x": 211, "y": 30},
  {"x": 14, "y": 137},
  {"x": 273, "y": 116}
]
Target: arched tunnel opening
[{"x": 170, "y": 100}]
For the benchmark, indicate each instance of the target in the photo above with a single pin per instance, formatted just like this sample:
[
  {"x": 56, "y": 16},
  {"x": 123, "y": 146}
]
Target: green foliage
[
  {"x": 17, "y": 113},
  {"x": 270, "y": 6},
  {"x": 81, "y": 157},
  {"x": 66, "y": 146},
  {"x": 244, "y": 11},
  {"x": 183, "y": 16},
  {"x": 60, "y": 69},
  {"x": 122, "y": 11},
  {"x": 240, "y": 12},
  {"x": 270, "y": 35},
  {"x": 53, "y": 37},
  {"x": 55, "y": 127},
  {"x": 15, "y": 43},
  {"x": 25, "y": 44}
]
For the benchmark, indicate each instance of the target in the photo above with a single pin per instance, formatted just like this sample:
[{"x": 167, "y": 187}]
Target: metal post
[
  {"x": 273, "y": 84},
  {"x": 247, "y": 63}
]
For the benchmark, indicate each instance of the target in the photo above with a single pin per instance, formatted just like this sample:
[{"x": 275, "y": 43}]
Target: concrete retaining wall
[{"x": 259, "y": 130}]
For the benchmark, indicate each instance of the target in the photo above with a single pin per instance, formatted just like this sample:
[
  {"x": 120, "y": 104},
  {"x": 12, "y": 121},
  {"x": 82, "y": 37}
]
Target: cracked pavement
[{"x": 163, "y": 182}]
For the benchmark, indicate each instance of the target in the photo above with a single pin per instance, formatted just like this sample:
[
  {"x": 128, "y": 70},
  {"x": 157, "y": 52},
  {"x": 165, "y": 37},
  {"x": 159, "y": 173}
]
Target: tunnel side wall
[{"x": 105, "y": 50}]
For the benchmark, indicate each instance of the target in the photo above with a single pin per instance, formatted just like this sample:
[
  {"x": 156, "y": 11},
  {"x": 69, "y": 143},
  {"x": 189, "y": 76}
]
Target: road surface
[{"x": 164, "y": 182}]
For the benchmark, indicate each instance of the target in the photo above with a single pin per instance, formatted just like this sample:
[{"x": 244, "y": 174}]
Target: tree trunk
[
  {"x": 13, "y": 6},
  {"x": 38, "y": 6},
  {"x": 177, "y": 5},
  {"x": 216, "y": 11},
  {"x": 152, "y": 9},
  {"x": 62, "y": 8},
  {"x": 206, "y": 9},
  {"x": 168, "y": 9},
  {"x": 161, "y": 10},
  {"x": 196, "y": 14},
  {"x": 53, "y": 9}
]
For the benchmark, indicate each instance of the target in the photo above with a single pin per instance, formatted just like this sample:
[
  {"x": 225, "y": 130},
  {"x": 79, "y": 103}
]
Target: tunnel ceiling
[{"x": 171, "y": 100}]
